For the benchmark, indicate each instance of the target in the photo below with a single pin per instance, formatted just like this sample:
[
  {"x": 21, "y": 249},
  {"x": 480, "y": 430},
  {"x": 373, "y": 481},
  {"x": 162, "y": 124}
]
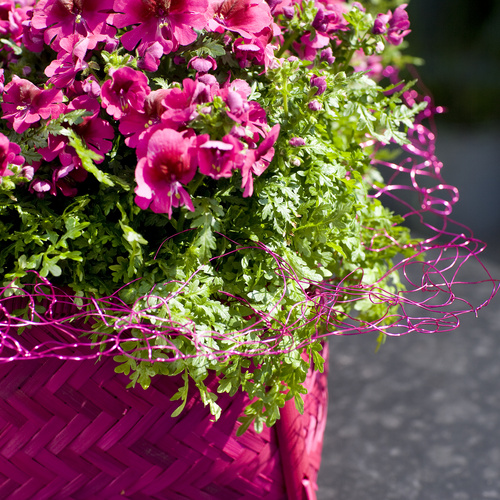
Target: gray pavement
[{"x": 420, "y": 419}]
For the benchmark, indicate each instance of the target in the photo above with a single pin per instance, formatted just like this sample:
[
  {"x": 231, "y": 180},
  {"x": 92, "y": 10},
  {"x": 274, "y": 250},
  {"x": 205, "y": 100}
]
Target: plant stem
[{"x": 287, "y": 44}]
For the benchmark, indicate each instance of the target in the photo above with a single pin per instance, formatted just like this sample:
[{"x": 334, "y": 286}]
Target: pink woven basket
[{"x": 72, "y": 430}]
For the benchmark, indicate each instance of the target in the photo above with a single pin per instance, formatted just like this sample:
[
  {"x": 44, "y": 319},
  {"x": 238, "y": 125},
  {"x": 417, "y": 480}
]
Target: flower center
[
  {"x": 72, "y": 6},
  {"x": 171, "y": 169},
  {"x": 157, "y": 8}
]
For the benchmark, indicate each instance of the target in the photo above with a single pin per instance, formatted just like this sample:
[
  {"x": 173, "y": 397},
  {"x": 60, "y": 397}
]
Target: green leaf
[
  {"x": 299, "y": 403},
  {"x": 182, "y": 393}
]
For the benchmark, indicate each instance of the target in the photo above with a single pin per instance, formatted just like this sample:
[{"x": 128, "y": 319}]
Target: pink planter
[{"x": 71, "y": 430}]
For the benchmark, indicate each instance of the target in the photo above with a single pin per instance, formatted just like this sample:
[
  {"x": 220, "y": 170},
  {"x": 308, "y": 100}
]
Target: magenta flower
[
  {"x": 70, "y": 61},
  {"x": 67, "y": 178},
  {"x": 181, "y": 104},
  {"x": 320, "y": 83},
  {"x": 202, "y": 65},
  {"x": 371, "y": 65},
  {"x": 327, "y": 55},
  {"x": 257, "y": 160},
  {"x": 380, "y": 25},
  {"x": 32, "y": 38},
  {"x": 89, "y": 87},
  {"x": 96, "y": 133},
  {"x": 315, "y": 105},
  {"x": 219, "y": 158},
  {"x": 256, "y": 50},
  {"x": 330, "y": 17},
  {"x": 9, "y": 155},
  {"x": 41, "y": 186},
  {"x": 168, "y": 22},
  {"x": 246, "y": 52},
  {"x": 309, "y": 45},
  {"x": 149, "y": 55},
  {"x": 61, "y": 18},
  {"x": 126, "y": 90},
  {"x": 246, "y": 17},
  {"x": 11, "y": 21},
  {"x": 398, "y": 25},
  {"x": 169, "y": 163},
  {"x": 393, "y": 25},
  {"x": 24, "y": 103},
  {"x": 297, "y": 141},
  {"x": 135, "y": 124},
  {"x": 288, "y": 11}
]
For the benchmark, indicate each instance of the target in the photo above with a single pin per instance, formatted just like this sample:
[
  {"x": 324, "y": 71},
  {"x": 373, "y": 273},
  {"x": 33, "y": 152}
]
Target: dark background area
[
  {"x": 459, "y": 41},
  {"x": 420, "y": 419}
]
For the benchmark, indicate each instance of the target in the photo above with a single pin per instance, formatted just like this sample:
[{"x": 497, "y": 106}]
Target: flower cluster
[
  {"x": 160, "y": 125},
  {"x": 76, "y": 30},
  {"x": 393, "y": 25}
]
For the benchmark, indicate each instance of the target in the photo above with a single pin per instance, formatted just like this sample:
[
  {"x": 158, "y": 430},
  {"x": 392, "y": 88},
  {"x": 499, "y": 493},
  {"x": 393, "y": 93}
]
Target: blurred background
[
  {"x": 420, "y": 419},
  {"x": 459, "y": 41}
]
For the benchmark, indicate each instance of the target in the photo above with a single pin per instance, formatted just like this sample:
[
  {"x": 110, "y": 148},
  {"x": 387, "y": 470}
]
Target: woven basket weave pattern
[{"x": 71, "y": 430}]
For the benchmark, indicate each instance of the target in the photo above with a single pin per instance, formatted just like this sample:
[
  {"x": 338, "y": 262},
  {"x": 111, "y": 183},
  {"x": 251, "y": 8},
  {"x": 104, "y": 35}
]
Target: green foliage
[{"x": 208, "y": 271}]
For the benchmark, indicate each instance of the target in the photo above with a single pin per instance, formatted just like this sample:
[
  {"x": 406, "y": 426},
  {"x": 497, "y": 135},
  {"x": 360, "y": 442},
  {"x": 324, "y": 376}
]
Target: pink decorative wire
[{"x": 431, "y": 302}]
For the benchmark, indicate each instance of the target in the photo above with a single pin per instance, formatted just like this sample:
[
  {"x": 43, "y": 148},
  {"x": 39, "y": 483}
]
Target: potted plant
[{"x": 189, "y": 194}]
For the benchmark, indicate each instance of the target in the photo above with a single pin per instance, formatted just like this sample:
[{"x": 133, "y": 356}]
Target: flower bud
[
  {"x": 320, "y": 83},
  {"x": 315, "y": 105},
  {"x": 297, "y": 141}
]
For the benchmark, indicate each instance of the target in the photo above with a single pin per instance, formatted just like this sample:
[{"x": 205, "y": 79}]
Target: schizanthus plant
[{"x": 192, "y": 147}]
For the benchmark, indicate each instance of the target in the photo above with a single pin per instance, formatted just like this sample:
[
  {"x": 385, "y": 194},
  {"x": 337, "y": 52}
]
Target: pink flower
[
  {"x": 320, "y": 83},
  {"x": 166, "y": 163},
  {"x": 246, "y": 52},
  {"x": 257, "y": 160},
  {"x": 398, "y": 25},
  {"x": 135, "y": 124},
  {"x": 11, "y": 21},
  {"x": 96, "y": 133},
  {"x": 67, "y": 178},
  {"x": 202, "y": 65},
  {"x": 282, "y": 7},
  {"x": 246, "y": 17},
  {"x": 32, "y": 38},
  {"x": 24, "y": 103},
  {"x": 61, "y": 18},
  {"x": 181, "y": 104},
  {"x": 9, "y": 155},
  {"x": 309, "y": 45},
  {"x": 70, "y": 61},
  {"x": 89, "y": 87},
  {"x": 168, "y": 22},
  {"x": 370, "y": 64},
  {"x": 126, "y": 90},
  {"x": 41, "y": 186},
  {"x": 297, "y": 141},
  {"x": 219, "y": 158},
  {"x": 330, "y": 20},
  {"x": 393, "y": 25},
  {"x": 256, "y": 50},
  {"x": 149, "y": 55},
  {"x": 380, "y": 24},
  {"x": 327, "y": 55},
  {"x": 315, "y": 105},
  {"x": 249, "y": 116}
]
